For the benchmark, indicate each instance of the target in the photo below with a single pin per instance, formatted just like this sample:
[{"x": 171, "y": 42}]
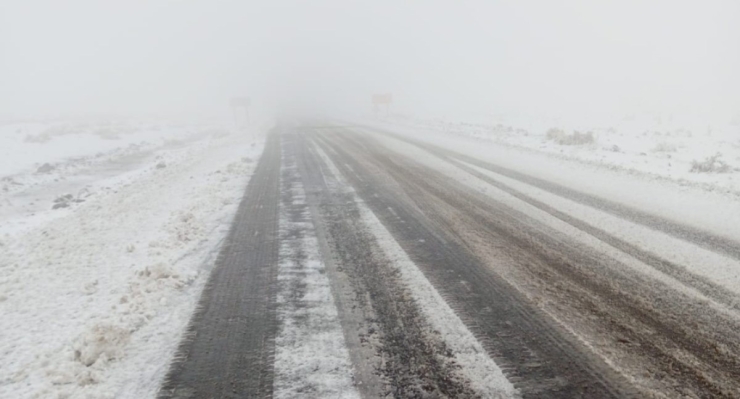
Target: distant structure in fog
[
  {"x": 382, "y": 99},
  {"x": 243, "y": 103}
]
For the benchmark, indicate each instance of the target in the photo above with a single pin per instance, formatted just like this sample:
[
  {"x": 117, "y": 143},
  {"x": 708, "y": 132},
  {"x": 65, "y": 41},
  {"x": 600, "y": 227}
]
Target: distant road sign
[
  {"x": 379, "y": 99},
  {"x": 240, "y": 102},
  {"x": 243, "y": 103},
  {"x": 382, "y": 99}
]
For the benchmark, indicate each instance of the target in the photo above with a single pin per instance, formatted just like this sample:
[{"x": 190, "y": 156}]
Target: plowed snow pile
[{"x": 94, "y": 295}]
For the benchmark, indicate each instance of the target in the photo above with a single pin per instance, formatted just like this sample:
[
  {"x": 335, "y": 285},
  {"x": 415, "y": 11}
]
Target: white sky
[{"x": 557, "y": 57}]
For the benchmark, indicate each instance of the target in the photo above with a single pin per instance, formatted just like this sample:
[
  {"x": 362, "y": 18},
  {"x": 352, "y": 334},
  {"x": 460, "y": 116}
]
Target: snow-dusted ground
[
  {"x": 660, "y": 148},
  {"x": 24, "y": 146},
  {"x": 94, "y": 295},
  {"x": 43, "y": 162}
]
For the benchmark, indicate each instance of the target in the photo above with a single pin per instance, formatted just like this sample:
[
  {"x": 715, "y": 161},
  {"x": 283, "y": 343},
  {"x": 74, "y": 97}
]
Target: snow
[
  {"x": 311, "y": 357},
  {"x": 80, "y": 163},
  {"x": 94, "y": 297},
  {"x": 476, "y": 366},
  {"x": 25, "y": 146}
]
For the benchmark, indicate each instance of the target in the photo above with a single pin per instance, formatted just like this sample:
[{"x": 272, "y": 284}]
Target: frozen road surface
[{"x": 368, "y": 263}]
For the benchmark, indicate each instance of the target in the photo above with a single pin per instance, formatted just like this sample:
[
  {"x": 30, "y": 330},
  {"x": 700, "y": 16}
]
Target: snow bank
[
  {"x": 66, "y": 164},
  {"x": 28, "y": 146}
]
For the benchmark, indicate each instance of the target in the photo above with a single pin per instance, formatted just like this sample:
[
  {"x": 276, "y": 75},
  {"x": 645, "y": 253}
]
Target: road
[{"x": 564, "y": 307}]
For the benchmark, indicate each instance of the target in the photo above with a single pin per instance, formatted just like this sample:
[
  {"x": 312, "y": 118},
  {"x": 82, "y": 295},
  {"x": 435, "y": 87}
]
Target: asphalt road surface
[{"x": 560, "y": 318}]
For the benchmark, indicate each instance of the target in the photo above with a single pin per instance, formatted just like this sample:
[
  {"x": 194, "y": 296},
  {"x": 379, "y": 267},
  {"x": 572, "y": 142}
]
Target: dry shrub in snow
[
  {"x": 157, "y": 271},
  {"x": 555, "y": 134},
  {"x": 39, "y": 138},
  {"x": 712, "y": 164},
  {"x": 664, "y": 146},
  {"x": 577, "y": 138}
]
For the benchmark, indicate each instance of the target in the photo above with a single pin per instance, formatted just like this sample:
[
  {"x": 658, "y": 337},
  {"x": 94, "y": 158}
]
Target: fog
[
  {"x": 567, "y": 58},
  {"x": 198, "y": 198}
]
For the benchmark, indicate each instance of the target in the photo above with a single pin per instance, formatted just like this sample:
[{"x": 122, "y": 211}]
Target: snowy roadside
[
  {"x": 685, "y": 152},
  {"x": 26, "y": 147},
  {"x": 48, "y": 168},
  {"x": 94, "y": 299}
]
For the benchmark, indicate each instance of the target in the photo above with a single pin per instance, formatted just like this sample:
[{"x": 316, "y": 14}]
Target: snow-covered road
[{"x": 367, "y": 262}]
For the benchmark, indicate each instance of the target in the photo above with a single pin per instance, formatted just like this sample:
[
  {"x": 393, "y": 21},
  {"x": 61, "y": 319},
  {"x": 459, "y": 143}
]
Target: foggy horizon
[
  {"x": 369, "y": 199},
  {"x": 571, "y": 60}
]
